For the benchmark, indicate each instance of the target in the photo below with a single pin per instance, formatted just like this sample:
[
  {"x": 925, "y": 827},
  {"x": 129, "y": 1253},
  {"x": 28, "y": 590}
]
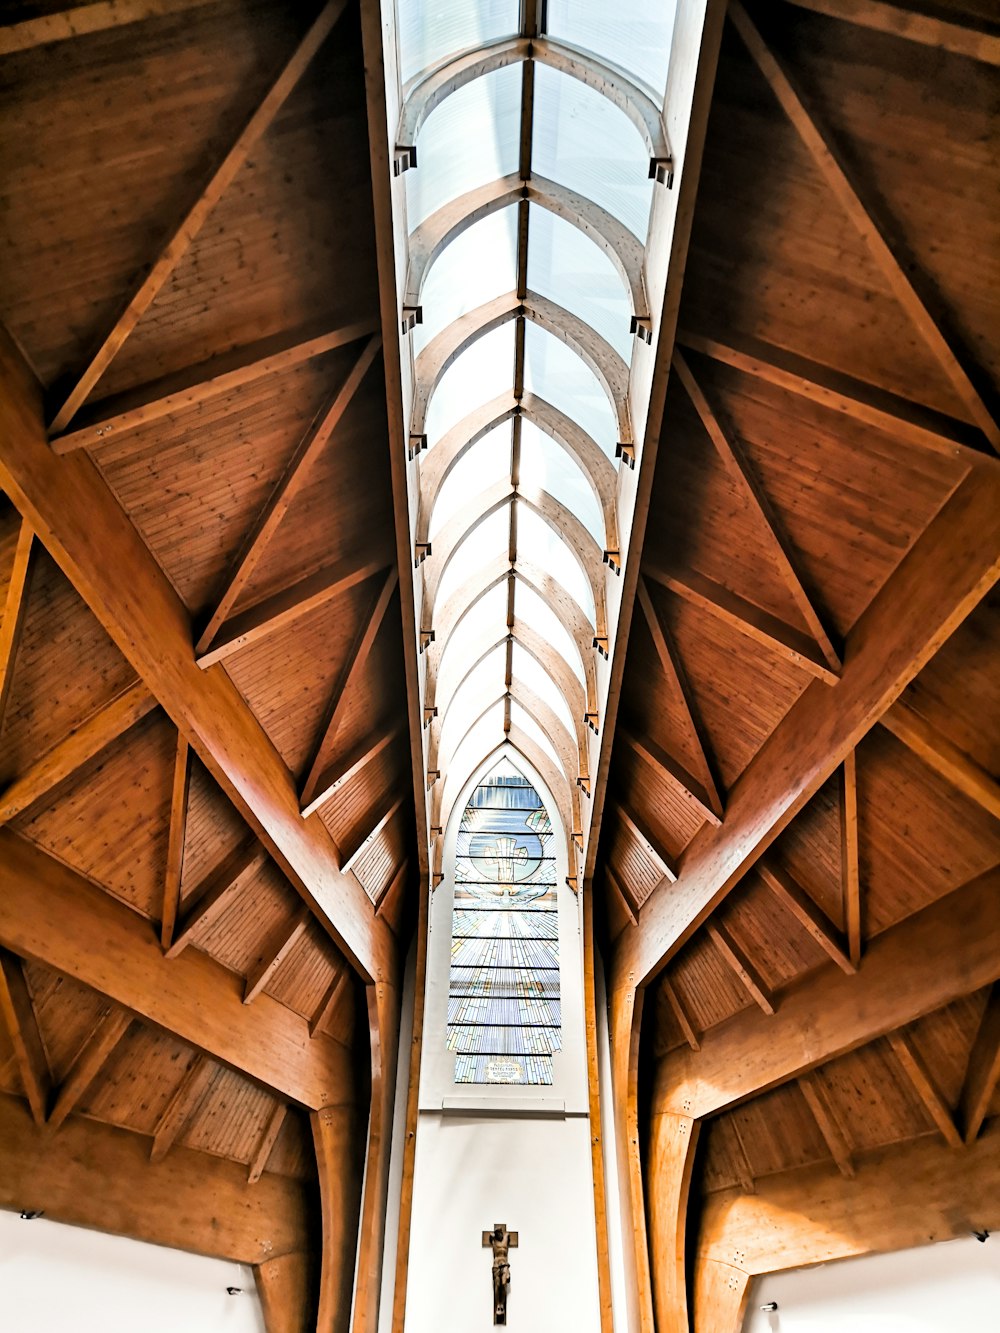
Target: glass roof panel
[
  {"x": 568, "y": 268},
  {"x": 484, "y": 370},
  {"x": 556, "y": 373},
  {"x": 584, "y": 142},
  {"x": 544, "y": 463},
  {"x": 520, "y": 717},
  {"x": 530, "y": 608},
  {"x": 429, "y": 30},
  {"x": 527, "y": 669},
  {"x": 483, "y": 684},
  {"x": 490, "y": 539},
  {"x": 633, "y": 34},
  {"x": 475, "y": 267},
  {"x": 484, "y": 737},
  {"x": 468, "y": 140},
  {"x": 489, "y": 612},
  {"x": 538, "y": 544},
  {"x": 485, "y": 463}
]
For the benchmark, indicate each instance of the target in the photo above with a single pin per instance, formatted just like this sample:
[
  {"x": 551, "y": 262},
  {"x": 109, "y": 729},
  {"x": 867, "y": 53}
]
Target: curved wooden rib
[
  {"x": 672, "y": 1143},
  {"x": 335, "y": 1144},
  {"x": 567, "y": 611},
  {"x": 476, "y": 656},
  {"x": 461, "y": 525},
  {"x": 592, "y": 461},
  {"x": 555, "y": 665},
  {"x": 552, "y": 728},
  {"x": 585, "y": 551},
  {"x": 435, "y": 466},
  {"x": 569, "y": 808}
]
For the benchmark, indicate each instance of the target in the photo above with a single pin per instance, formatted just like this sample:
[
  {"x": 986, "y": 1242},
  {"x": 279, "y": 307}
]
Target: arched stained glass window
[{"x": 504, "y": 1020}]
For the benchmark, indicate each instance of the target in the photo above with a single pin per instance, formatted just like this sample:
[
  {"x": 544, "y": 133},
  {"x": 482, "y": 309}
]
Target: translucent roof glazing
[
  {"x": 429, "y": 30},
  {"x": 633, "y": 34}
]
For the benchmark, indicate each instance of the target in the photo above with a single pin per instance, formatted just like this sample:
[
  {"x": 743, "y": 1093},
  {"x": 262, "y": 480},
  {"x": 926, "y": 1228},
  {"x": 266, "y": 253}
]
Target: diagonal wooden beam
[
  {"x": 741, "y": 966},
  {"x": 90, "y": 1060},
  {"x": 680, "y": 1013},
  {"x": 897, "y": 271},
  {"x": 804, "y": 909},
  {"x": 175, "y": 841},
  {"x": 739, "y": 468},
  {"x": 745, "y": 617},
  {"x": 392, "y": 888},
  {"x": 267, "y": 1141},
  {"x": 850, "y": 860},
  {"x": 959, "y": 38},
  {"x": 620, "y": 894},
  {"x": 216, "y": 892},
  {"x": 15, "y": 604},
  {"x": 983, "y": 1071},
  {"x": 331, "y": 999},
  {"x": 829, "y": 1124},
  {"x": 364, "y": 840},
  {"x": 351, "y": 764},
  {"x": 942, "y": 756},
  {"x": 157, "y": 272},
  {"x": 648, "y": 841},
  {"x": 354, "y": 668},
  {"x": 925, "y": 1087},
  {"x": 187, "y": 1097},
  {"x": 79, "y": 20},
  {"x": 289, "y": 484},
  {"x": 684, "y": 783},
  {"x": 113, "y": 417},
  {"x": 19, "y": 1015},
  {"x": 285, "y": 607},
  {"x": 275, "y": 951},
  {"x": 70, "y": 754}
]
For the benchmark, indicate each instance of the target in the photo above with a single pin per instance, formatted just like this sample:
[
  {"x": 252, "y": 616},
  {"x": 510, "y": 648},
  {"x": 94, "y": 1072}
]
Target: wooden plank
[
  {"x": 744, "y": 970},
  {"x": 862, "y": 213},
  {"x": 286, "y": 1289},
  {"x": 115, "y": 416},
  {"x": 175, "y": 842},
  {"x": 287, "y": 606},
  {"x": 79, "y": 20},
  {"x": 938, "y": 753},
  {"x": 187, "y": 1097},
  {"x": 983, "y": 1071},
  {"x": 90, "y": 1059},
  {"x": 648, "y": 841},
  {"x": 15, "y": 603},
  {"x": 351, "y": 764},
  {"x": 806, "y": 912},
  {"x": 267, "y": 1141},
  {"x": 54, "y": 916},
  {"x": 670, "y": 1157},
  {"x": 681, "y": 781},
  {"x": 829, "y": 1124},
  {"x": 943, "y": 576},
  {"x": 925, "y": 1087},
  {"x": 158, "y": 271},
  {"x": 67, "y": 503},
  {"x": 850, "y": 859},
  {"x": 73, "y": 751},
  {"x": 309, "y": 449},
  {"x": 364, "y": 840},
  {"x": 901, "y": 1197},
  {"x": 831, "y": 1013},
  {"x": 99, "y": 1177},
  {"x": 745, "y": 617},
  {"x": 274, "y": 953},
  {"x": 958, "y": 38},
  {"x": 216, "y": 891},
  {"x": 680, "y": 1013},
  {"x": 738, "y": 467},
  {"x": 22, "y": 1026}
]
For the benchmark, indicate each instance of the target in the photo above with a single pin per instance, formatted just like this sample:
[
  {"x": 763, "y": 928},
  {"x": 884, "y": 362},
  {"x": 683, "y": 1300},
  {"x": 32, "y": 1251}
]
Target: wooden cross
[{"x": 501, "y": 1241}]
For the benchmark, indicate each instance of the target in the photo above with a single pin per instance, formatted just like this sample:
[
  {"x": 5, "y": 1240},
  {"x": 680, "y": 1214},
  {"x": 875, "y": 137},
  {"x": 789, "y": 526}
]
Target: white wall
[
  {"x": 952, "y": 1287},
  {"x": 61, "y": 1279}
]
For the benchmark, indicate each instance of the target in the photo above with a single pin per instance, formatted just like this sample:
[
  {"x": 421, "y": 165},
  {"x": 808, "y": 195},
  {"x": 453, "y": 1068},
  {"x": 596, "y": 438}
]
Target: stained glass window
[{"x": 503, "y": 997}]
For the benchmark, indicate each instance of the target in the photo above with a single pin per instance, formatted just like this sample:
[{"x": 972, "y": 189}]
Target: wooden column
[
  {"x": 719, "y": 1297},
  {"x": 672, "y": 1141},
  {"x": 335, "y": 1141},
  {"x": 625, "y": 1014},
  {"x": 285, "y": 1286},
  {"x": 596, "y": 1128}
]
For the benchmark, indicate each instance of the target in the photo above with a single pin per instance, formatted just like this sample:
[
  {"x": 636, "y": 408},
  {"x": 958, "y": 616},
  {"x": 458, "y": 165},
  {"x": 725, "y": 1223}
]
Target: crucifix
[{"x": 501, "y": 1241}]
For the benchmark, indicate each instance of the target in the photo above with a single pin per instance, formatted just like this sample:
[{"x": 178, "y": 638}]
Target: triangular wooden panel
[
  {"x": 230, "y": 1119},
  {"x": 110, "y": 819},
  {"x": 293, "y": 1154},
  {"x": 377, "y": 865},
  {"x": 810, "y": 850},
  {"x": 66, "y": 1012},
  {"x": 66, "y": 668},
  {"x": 873, "y": 1103},
  {"x": 707, "y": 988},
  {"x": 364, "y": 708},
  {"x": 656, "y": 801},
  {"x": 367, "y": 791},
  {"x": 780, "y": 948},
  {"x": 795, "y": 271},
  {"x": 212, "y": 830},
  {"x": 943, "y": 1041},
  {"x": 74, "y": 240},
  {"x": 303, "y": 978},
  {"x": 138, "y": 1080},
  {"x": 777, "y": 1132},
  {"x": 261, "y": 904},
  {"x": 291, "y": 240},
  {"x": 634, "y": 869}
]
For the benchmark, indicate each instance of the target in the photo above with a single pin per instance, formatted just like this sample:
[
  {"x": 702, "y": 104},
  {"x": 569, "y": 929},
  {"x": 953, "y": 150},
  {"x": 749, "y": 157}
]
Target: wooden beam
[
  {"x": 351, "y": 764},
  {"x": 901, "y": 1197},
  {"x": 719, "y": 1297},
  {"x": 187, "y": 1097},
  {"x": 746, "y": 618},
  {"x": 982, "y": 1072},
  {"x": 15, "y": 604},
  {"x": 620, "y": 894},
  {"x": 897, "y": 271},
  {"x": 364, "y": 840},
  {"x": 309, "y": 449},
  {"x": 829, "y": 1124},
  {"x": 69, "y": 755},
  {"x": 739, "y": 468},
  {"x": 54, "y": 916},
  {"x": 216, "y": 891},
  {"x": 806, "y": 912},
  {"x": 79, "y": 20},
  {"x": 959, "y": 38},
  {"x": 596, "y": 1115},
  {"x": 91, "y": 1058},
  {"x": 286, "y": 1290},
  {"x": 116, "y": 416},
  {"x": 648, "y": 842},
  {"x": 331, "y": 999},
  {"x": 680, "y": 1013},
  {"x": 744, "y": 970},
  {"x": 175, "y": 842},
  {"x": 925, "y": 1087},
  {"x": 850, "y": 859},
  {"x": 680, "y": 780},
  {"x": 267, "y": 1141},
  {"x": 938, "y": 753},
  {"x": 96, "y": 1176},
  {"x": 396, "y": 883},
  {"x": 354, "y": 668},
  {"x": 670, "y": 1157},
  {"x": 22, "y": 1026},
  {"x": 67, "y": 501},
  {"x": 284, "y": 608},
  {"x": 937, "y": 583},
  {"x": 334, "y": 1140},
  {"x": 274, "y": 953},
  {"x": 156, "y": 273},
  {"x": 831, "y": 1013}
]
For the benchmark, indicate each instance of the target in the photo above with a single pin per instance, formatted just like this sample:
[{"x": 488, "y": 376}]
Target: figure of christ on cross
[{"x": 501, "y": 1241}]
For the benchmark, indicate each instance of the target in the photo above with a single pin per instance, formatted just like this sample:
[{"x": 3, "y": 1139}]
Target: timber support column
[
  {"x": 719, "y": 1297},
  {"x": 672, "y": 1142},
  {"x": 625, "y": 1004},
  {"x": 334, "y": 1139}
]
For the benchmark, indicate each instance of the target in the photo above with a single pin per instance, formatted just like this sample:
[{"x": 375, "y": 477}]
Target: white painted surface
[
  {"x": 952, "y": 1287},
  {"x": 61, "y": 1279}
]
